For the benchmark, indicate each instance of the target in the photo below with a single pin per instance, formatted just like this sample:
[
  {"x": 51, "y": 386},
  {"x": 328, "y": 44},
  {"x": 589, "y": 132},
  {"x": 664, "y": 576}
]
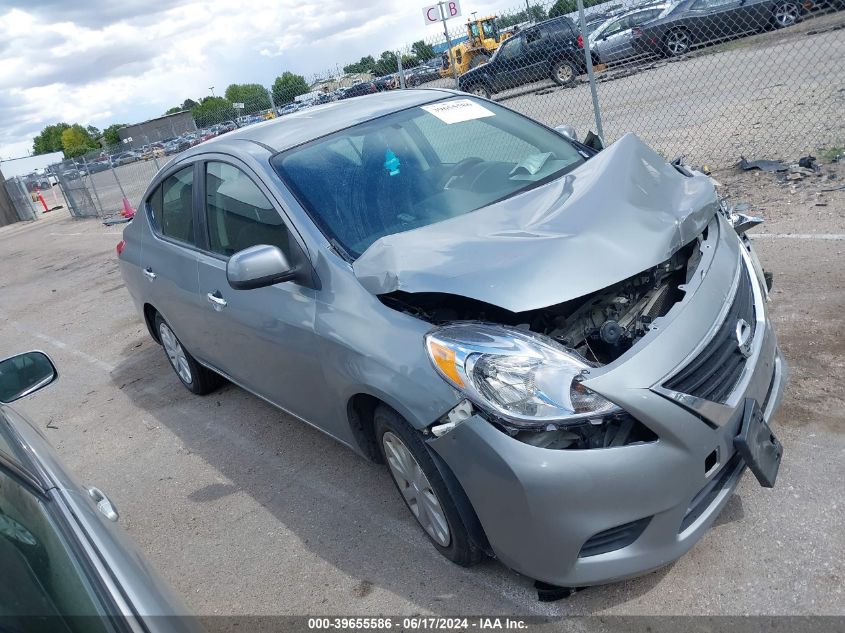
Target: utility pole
[
  {"x": 212, "y": 90},
  {"x": 588, "y": 60},
  {"x": 448, "y": 42}
]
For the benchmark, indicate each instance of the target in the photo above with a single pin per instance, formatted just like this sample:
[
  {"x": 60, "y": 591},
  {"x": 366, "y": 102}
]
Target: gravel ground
[
  {"x": 771, "y": 95},
  {"x": 246, "y": 511}
]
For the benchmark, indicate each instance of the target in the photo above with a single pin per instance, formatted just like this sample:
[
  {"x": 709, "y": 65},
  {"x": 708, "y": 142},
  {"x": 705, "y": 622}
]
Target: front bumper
[{"x": 539, "y": 507}]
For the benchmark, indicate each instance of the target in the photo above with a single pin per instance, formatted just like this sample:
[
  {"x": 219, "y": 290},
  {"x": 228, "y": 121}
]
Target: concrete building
[{"x": 160, "y": 129}]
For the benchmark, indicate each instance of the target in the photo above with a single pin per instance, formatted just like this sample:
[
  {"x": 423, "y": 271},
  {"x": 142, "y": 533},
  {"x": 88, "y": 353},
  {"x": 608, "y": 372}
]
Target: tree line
[
  {"x": 388, "y": 61},
  {"x": 75, "y": 139}
]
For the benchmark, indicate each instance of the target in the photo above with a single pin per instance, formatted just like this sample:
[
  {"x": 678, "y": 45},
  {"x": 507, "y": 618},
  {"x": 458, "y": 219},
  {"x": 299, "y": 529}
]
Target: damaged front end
[{"x": 523, "y": 371}]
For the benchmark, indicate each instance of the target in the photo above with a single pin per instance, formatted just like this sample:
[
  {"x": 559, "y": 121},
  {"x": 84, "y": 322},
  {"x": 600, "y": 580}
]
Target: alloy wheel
[
  {"x": 786, "y": 15},
  {"x": 677, "y": 42},
  {"x": 416, "y": 489},
  {"x": 565, "y": 73},
  {"x": 175, "y": 353}
]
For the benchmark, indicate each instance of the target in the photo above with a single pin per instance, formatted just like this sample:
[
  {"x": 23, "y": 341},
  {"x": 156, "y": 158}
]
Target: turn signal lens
[
  {"x": 444, "y": 358},
  {"x": 120, "y": 246}
]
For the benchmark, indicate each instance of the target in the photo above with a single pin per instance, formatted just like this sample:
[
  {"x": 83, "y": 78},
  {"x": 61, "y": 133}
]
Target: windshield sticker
[{"x": 457, "y": 111}]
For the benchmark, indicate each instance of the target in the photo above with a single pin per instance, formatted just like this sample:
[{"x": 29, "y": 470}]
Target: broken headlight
[{"x": 524, "y": 378}]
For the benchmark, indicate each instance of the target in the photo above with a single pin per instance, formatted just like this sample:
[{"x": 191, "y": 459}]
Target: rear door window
[{"x": 171, "y": 206}]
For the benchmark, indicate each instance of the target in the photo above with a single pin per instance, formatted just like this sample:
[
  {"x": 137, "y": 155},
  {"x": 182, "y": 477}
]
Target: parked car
[
  {"x": 423, "y": 73},
  {"x": 556, "y": 368},
  {"x": 124, "y": 158},
  {"x": 359, "y": 89},
  {"x": 388, "y": 82},
  {"x": 66, "y": 565},
  {"x": 549, "y": 50},
  {"x": 692, "y": 23},
  {"x": 612, "y": 40},
  {"x": 96, "y": 166}
]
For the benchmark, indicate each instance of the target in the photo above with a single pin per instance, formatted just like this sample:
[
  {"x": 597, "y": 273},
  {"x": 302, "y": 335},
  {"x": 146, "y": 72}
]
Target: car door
[
  {"x": 262, "y": 338},
  {"x": 510, "y": 63},
  {"x": 169, "y": 253},
  {"x": 622, "y": 41},
  {"x": 713, "y": 20},
  {"x": 611, "y": 42},
  {"x": 537, "y": 43}
]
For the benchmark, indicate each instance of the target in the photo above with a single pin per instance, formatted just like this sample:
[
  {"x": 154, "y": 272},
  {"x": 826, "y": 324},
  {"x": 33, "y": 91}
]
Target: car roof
[{"x": 305, "y": 125}]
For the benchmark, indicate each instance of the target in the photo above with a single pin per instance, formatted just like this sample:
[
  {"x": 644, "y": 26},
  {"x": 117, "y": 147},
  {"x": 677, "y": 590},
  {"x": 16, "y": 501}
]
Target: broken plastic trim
[
  {"x": 741, "y": 222},
  {"x": 459, "y": 413}
]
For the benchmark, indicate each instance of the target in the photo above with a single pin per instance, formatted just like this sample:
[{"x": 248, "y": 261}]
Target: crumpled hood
[{"x": 621, "y": 212}]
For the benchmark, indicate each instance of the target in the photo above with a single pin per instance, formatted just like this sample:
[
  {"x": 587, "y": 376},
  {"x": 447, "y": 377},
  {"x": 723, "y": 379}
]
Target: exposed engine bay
[{"x": 600, "y": 326}]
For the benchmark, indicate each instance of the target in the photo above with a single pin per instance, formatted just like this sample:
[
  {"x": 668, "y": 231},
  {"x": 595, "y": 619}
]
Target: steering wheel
[{"x": 459, "y": 168}]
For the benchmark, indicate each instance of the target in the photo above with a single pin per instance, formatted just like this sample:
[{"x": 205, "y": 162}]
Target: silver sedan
[{"x": 562, "y": 355}]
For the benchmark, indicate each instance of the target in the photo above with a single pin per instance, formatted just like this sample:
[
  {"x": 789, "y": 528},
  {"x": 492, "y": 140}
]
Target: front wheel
[
  {"x": 564, "y": 73},
  {"x": 422, "y": 487},
  {"x": 477, "y": 60},
  {"x": 786, "y": 14}
]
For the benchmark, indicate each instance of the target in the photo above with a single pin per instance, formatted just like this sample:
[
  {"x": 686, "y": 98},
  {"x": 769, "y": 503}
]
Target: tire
[
  {"x": 677, "y": 42},
  {"x": 479, "y": 90},
  {"x": 196, "y": 378},
  {"x": 564, "y": 73},
  {"x": 786, "y": 14},
  {"x": 421, "y": 486},
  {"x": 477, "y": 60}
]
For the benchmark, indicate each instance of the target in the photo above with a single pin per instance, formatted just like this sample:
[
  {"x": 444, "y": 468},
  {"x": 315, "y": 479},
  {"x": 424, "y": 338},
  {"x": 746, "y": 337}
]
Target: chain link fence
[{"x": 710, "y": 79}]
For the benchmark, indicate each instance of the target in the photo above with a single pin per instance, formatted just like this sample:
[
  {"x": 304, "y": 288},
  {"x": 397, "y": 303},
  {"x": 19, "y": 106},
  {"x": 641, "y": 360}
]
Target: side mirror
[
  {"x": 257, "y": 267},
  {"x": 24, "y": 374},
  {"x": 567, "y": 131}
]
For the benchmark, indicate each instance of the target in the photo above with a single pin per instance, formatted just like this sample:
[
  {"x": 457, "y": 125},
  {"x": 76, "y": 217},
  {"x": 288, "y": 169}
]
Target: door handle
[
  {"x": 103, "y": 504},
  {"x": 216, "y": 300},
  {"x": 149, "y": 273}
]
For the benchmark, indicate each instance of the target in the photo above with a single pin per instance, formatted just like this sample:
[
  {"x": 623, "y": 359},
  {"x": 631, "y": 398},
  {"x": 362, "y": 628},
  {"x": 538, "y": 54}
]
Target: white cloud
[{"x": 101, "y": 62}]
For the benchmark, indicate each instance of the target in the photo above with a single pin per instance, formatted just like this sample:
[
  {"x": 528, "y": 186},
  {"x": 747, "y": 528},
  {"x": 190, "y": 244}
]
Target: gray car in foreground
[
  {"x": 562, "y": 355},
  {"x": 65, "y": 565}
]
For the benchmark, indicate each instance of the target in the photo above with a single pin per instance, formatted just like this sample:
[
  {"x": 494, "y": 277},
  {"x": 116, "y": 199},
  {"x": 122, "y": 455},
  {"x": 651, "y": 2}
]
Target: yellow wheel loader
[{"x": 483, "y": 38}]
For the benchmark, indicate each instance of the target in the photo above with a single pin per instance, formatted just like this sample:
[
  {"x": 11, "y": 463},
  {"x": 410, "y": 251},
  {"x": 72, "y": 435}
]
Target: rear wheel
[
  {"x": 786, "y": 14},
  {"x": 479, "y": 90},
  {"x": 194, "y": 376},
  {"x": 422, "y": 487},
  {"x": 564, "y": 73},
  {"x": 677, "y": 42}
]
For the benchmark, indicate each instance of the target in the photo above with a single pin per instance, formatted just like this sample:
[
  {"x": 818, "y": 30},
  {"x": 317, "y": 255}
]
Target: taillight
[
  {"x": 120, "y": 246},
  {"x": 580, "y": 41}
]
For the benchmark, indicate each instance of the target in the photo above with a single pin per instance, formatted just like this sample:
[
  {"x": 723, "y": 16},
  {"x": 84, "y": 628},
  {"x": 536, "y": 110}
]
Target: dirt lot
[
  {"x": 247, "y": 511},
  {"x": 770, "y": 95}
]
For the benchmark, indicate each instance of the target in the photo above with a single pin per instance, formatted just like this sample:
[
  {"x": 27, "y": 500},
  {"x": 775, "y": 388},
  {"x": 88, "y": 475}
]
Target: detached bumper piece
[{"x": 758, "y": 446}]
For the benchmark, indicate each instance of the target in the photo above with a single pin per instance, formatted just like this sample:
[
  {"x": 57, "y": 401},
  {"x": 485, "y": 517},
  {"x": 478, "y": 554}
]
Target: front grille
[
  {"x": 614, "y": 538},
  {"x": 708, "y": 494},
  {"x": 713, "y": 374}
]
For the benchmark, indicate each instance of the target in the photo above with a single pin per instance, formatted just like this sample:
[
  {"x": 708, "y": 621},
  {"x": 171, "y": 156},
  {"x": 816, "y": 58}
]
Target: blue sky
[{"x": 102, "y": 61}]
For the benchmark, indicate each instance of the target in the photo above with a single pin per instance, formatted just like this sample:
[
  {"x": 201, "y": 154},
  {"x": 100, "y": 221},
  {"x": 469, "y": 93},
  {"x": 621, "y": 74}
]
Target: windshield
[{"x": 419, "y": 166}]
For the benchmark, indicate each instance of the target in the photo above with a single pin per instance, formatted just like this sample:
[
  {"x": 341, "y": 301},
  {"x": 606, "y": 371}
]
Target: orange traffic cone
[
  {"x": 41, "y": 199},
  {"x": 128, "y": 211}
]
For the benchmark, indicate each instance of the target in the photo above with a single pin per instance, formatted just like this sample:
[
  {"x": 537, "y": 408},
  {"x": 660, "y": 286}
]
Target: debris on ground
[
  {"x": 116, "y": 220},
  {"x": 764, "y": 165},
  {"x": 807, "y": 162}
]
